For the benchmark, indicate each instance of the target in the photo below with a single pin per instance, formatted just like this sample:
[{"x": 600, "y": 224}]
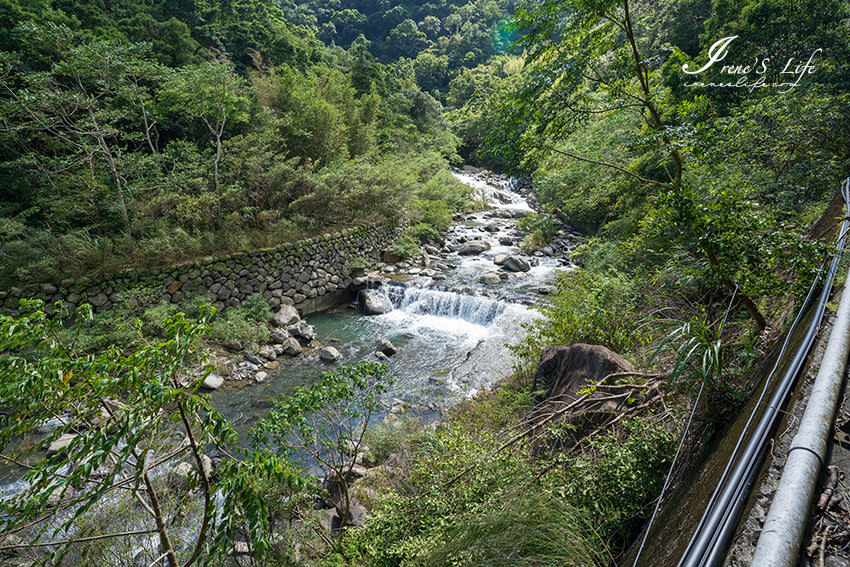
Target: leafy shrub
[
  {"x": 405, "y": 246},
  {"x": 541, "y": 230},
  {"x": 620, "y": 474},
  {"x": 235, "y": 324},
  {"x": 590, "y": 308},
  {"x": 422, "y": 232},
  {"x": 257, "y": 309}
]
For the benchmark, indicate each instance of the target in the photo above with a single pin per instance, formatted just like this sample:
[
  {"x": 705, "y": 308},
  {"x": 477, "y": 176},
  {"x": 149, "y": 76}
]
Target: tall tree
[
  {"x": 585, "y": 58},
  {"x": 211, "y": 94}
]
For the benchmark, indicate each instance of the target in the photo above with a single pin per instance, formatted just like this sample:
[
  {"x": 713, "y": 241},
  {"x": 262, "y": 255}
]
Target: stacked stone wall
[{"x": 311, "y": 274}]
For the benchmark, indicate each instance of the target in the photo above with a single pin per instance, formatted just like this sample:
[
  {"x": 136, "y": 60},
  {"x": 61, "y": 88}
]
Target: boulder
[
  {"x": 506, "y": 241},
  {"x": 329, "y": 354},
  {"x": 213, "y": 381},
  {"x": 179, "y": 475},
  {"x": 490, "y": 278},
  {"x": 260, "y": 377},
  {"x": 546, "y": 289},
  {"x": 279, "y": 336},
  {"x": 499, "y": 259},
  {"x": 516, "y": 264},
  {"x": 292, "y": 347},
  {"x": 302, "y": 331},
  {"x": 233, "y": 345},
  {"x": 492, "y": 227},
  {"x": 474, "y": 247},
  {"x": 387, "y": 348},
  {"x": 253, "y": 358},
  {"x": 287, "y": 315},
  {"x": 564, "y": 370},
  {"x": 373, "y": 302},
  {"x": 60, "y": 443},
  {"x": 267, "y": 352}
]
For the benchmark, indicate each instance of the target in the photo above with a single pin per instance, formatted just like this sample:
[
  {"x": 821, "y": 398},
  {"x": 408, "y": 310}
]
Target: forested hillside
[
  {"x": 675, "y": 176},
  {"x": 140, "y": 133}
]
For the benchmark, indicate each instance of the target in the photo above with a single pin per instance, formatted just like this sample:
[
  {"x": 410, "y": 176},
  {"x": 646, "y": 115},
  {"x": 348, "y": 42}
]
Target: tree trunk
[
  {"x": 164, "y": 540},
  {"x": 113, "y": 171}
]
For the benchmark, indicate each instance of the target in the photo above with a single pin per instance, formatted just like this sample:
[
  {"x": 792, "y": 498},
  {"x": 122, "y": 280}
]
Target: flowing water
[{"x": 453, "y": 332}]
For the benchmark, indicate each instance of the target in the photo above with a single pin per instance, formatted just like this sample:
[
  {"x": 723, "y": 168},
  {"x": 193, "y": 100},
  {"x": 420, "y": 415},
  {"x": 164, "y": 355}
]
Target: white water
[
  {"x": 498, "y": 197},
  {"x": 477, "y": 310}
]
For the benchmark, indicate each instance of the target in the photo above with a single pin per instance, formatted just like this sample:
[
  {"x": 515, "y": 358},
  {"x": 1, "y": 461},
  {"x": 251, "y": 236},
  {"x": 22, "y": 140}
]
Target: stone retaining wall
[{"x": 311, "y": 274}]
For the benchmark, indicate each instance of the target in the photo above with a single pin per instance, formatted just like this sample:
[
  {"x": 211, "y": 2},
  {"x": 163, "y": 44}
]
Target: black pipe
[{"x": 708, "y": 545}]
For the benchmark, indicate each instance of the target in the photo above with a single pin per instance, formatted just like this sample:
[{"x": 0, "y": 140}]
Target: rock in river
[
  {"x": 474, "y": 247},
  {"x": 329, "y": 354},
  {"x": 373, "y": 302},
  {"x": 302, "y": 330},
  {"x": 213, "y": 381},
  {"x": 516, "y": 264},
  {"x": 490, "y": 278},
  {"x": 278, "y": 336},
  {"x": 387, "y": 348},
  {"x": 287, "y": 315},
  {"x": 291, "y": 346}
]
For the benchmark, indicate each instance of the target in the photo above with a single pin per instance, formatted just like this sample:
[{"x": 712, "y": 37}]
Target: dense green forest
[
  {"x": 138, "y": 133},
  {"x": 148, "y": 133}
]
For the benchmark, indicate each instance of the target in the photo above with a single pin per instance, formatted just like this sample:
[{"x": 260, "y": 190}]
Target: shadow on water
[{"x": 681, "y": 514}]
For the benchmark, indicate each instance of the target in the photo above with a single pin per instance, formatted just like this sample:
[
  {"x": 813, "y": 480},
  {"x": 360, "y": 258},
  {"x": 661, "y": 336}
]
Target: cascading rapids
[{"x": 477, "y": 310}]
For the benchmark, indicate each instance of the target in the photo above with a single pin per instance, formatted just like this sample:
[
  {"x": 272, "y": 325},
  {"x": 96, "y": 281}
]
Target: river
[{"x": 453, "y": 331}]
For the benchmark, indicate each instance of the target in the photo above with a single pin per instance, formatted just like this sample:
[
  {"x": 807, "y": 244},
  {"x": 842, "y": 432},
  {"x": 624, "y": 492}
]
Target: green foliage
[
  {"x": 327, "y": 421},
  {"x": 619, "y": 475},
  {"x": 118, "y": 413},
  {"x": 405, "y": 246},
  {"x": 541, "y": 230},
  {"x": 434, "y": 41},
  {"x": 508, "y": 506},
  {"x": 589, "y": 308},
  {"x": 350, "y": 393},
  {"x": 245, "y": 323},
  {"x": 540, "y": 528},
  {"x": 117, "y": 160}
]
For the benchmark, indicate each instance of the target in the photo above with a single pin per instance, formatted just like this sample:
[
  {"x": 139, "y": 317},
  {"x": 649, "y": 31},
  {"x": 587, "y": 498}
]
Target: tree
[
  {"x": 327, "y": 421},
  {"x": 585, "y": 59},
  {"x": 126, "y": 442},
  {"x": 210, "y": 93},
  {"x": 430, "y": 70},
  {"x": 75, "y": 116},
  {"x": 407, "y": 38}
]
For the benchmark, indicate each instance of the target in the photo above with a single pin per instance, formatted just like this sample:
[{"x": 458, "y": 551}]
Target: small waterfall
[{"x": 478, "y": 310}]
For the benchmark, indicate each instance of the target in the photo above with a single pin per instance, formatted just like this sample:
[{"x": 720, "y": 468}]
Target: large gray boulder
[
  {"x": 213, "y": 381},
  {"x": 373, "y": 302},
  {"x": 287, "y": 315},
  {"x": 291, "y": 346},
  {"x": 278, "y": 336},
  {"x": 329, "y": 354},
  {"x": 563, "y": 373},
  {"x": 474, "y": 247},
  {"x": 60, "y": 443},
  {"x": 516, "y": 264},
  {"x": 490, "y": 278},
  {"x": 267, "y": 352},
  {"x": 387, "y": 348},
  {"x": 302, "y": 330}
]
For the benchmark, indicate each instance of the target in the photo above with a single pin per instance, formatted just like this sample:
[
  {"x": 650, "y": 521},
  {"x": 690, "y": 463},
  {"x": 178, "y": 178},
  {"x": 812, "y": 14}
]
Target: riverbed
[
  {"x": 452, "y": 326},
  {"x": 453, "y": 331}
]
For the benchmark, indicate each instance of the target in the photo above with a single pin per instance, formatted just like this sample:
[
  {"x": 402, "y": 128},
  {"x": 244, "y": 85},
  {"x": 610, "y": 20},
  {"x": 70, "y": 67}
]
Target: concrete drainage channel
[
  {"x": 696, "y": 529},
  {"x": 782, "y": 536}
]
